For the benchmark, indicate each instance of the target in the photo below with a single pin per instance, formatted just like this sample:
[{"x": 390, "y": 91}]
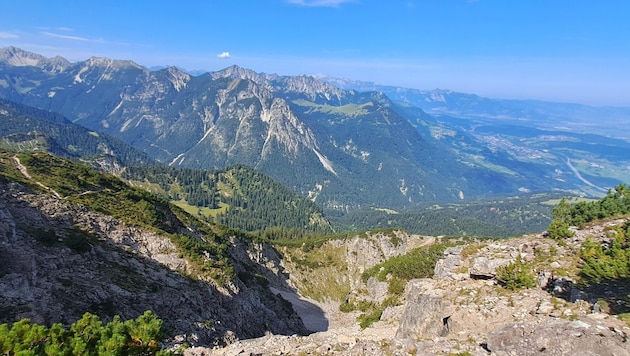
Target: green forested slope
[
  {"x": 238, "y": 197},
  {"x": 24, "y": 128},
  {"x": 497, "y": 217}
]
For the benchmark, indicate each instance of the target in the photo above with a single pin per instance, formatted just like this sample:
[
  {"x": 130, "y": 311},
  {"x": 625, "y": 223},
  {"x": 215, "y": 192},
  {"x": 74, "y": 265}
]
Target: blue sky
[{"x": 558, "y": 50}]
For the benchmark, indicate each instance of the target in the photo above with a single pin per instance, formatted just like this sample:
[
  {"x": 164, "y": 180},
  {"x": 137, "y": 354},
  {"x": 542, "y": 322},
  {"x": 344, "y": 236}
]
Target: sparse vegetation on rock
[
  {"x": 516, "y": 275},
  {"x": 398, "y": 291}
]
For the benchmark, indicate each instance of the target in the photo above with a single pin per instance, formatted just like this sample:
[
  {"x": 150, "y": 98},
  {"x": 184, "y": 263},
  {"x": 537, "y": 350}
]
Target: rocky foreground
[
  {"x": 463, "y": 310},
  {"x": 120, "y": 269}
]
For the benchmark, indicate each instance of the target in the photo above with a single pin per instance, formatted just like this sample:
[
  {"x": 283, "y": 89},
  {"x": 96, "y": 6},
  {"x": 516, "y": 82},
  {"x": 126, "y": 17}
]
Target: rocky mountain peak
[
  {"x": 310, "y": 87},
  {"x": 237, "y": 72},
  {"x": 20, "y": 58},
  {"x": 313, "y": 88},
  {"x": 178, "y": 77},
  {"x": 56, "y": 64},
  {"x": 111, "y": 63}
]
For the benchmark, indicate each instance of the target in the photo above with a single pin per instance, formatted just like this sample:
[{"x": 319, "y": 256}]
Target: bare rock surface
[
  {"x": 457, "y": 313},
  {"x": 312, "y": 315},
  {"x": 126, "y": 270},
  {"x": 559, "y": 337}
]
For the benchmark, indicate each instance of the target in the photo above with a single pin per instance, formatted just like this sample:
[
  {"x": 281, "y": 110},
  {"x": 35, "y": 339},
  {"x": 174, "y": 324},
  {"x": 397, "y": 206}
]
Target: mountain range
[
  {"x": 241, "y": 197},
  {"x": 343, "y": 148},
  {"x": 192, "y": 228}
]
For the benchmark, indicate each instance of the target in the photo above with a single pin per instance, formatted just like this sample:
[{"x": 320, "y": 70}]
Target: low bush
[
  {"x": 606, "y": 262},
  {"x": 516, "y": 275},
  {"x": 87, "y": 336},
  {"x": 418, "y": 263}
]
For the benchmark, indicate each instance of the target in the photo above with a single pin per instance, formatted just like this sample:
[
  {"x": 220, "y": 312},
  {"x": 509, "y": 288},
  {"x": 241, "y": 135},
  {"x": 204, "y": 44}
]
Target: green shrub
[
  {"x": 78, "y": 241},
  {"x": 87, "y": 336},
  {"x": 396, "y": 286},
  {"x": 559, "y": 227},
  {"x": 364, "y": 305},
  {"x": 601, "y": 262},
  {"x": 347, "y": 307},
  {"x": 395, "y": 240},
  {"x": 516, "y": 275},
  {"x": 418, "y": 263},
  {"x": 46, "y": 236},
  {"x": 559, "y": 230},
  {"x": 615, "y": 203},
  {"x": 367, "y": 319},
  {"x": 391, "y": 301}
]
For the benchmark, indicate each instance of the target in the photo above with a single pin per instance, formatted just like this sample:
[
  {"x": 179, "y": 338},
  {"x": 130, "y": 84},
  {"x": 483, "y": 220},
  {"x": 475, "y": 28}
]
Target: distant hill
[
  {"x": 576, "y": 118},
  {"x": 238, "y": 196},
  {"x": 496, "y": 217}
]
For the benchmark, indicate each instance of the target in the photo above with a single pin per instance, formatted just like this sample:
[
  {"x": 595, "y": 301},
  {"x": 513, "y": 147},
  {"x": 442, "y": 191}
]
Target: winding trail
[{"x": 24, "y": 172}]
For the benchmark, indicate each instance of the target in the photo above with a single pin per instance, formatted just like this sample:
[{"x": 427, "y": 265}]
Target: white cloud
[
  {"x": 224, "y": 55},
  {"x": 66, "y": 37},
  {"x": 8, "y": 36},
  {"x": 319, "y": 3}
]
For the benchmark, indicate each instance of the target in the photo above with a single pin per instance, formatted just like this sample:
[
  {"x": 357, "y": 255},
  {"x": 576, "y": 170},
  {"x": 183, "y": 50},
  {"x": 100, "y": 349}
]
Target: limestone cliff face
[
  {"x": 331, "y": 273},
  {"x": 124, "y": 270}
]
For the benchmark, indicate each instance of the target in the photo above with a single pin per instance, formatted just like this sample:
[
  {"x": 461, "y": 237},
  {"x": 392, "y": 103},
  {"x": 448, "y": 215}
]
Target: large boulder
[
  {"x": 425, "y": 315},
  {"x": 559, "y": 337},
  {"x": 486, "y": 268},
  {"x": 448, "y": 266}
]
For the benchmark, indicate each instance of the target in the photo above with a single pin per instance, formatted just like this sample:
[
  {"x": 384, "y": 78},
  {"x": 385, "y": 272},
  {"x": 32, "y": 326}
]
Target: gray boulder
[
  {"x": 424, "y": 316},
  {"x": 486, "y": 268},
  {"x": 558, "y": 337},
  {"x": 447, "y": 266}
]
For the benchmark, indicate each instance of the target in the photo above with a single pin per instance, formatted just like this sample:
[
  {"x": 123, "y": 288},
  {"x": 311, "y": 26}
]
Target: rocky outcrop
[
  {"x": 332, "y": 272},
  {"x": 424, "y": 316},
  {"x": 448, "y": 266},
  {"x": 118, "y": 269},
  {"x": 456, "y": 312},
  {"x": 485, "y": 268},
  {"x": 558, "y": 337},
  {"x": 363, "y": 252}
]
